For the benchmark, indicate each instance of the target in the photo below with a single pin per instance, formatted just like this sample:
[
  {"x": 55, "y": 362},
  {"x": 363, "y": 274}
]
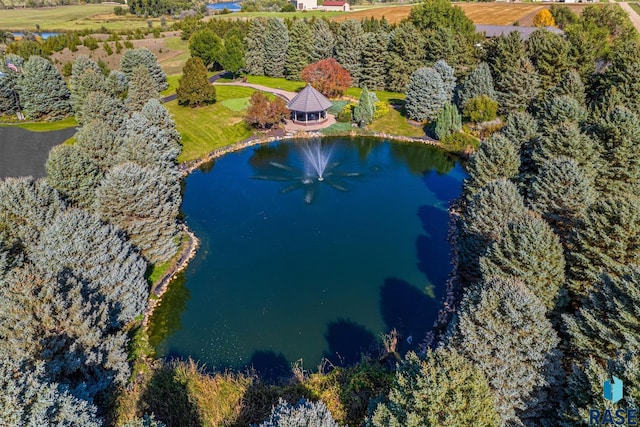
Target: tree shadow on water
[
  {"x": 269, "y": 365},
  {"x": 433, "y": 250},
  {"x": 408, "y": 310},
  {"x": 347, "y": 341}
]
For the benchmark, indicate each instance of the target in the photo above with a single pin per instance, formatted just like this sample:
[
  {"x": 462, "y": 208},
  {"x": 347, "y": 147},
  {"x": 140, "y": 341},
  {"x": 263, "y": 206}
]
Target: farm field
[
  {"x": 75, "y": 17},
  {"x": 479, "y": 13}
]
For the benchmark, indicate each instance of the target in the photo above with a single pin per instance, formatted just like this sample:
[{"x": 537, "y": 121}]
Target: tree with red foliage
[
  {"x": 265, "y": 114},
  {"x": 328, "y": 77}
]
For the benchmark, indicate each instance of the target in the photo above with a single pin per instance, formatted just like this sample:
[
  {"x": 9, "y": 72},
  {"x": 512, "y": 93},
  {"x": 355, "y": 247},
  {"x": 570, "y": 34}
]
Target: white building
[{"x": 305, "y": 4}]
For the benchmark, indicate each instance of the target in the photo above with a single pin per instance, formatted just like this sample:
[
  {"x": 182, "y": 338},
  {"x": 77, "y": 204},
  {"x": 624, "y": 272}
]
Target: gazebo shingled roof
[{"x": 309, "y": 100}]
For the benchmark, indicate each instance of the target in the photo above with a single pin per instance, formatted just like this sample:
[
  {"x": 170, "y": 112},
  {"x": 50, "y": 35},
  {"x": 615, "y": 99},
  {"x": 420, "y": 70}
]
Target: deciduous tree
[
  {"x": 544, "y": 18},
  {"x": 207, "y": 46},
  {"x": 265, "y": 114},
  {"x": 328, "y": 77},
  {"x": 194, "y": 88}
]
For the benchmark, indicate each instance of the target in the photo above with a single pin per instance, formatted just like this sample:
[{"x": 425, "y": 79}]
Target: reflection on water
[
  {"x": 166, "y": 316},
  {"x": 420, "y": 160}
]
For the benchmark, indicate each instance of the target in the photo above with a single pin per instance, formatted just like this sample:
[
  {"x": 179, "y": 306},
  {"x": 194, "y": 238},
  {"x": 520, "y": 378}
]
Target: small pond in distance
[{"x": 291, "y": 267}]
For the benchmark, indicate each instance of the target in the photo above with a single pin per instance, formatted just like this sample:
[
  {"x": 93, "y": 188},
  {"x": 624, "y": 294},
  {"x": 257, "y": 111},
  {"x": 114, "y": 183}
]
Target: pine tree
[
  {"x": 88, "y": 82},
  {"x": 43, "y": 90},
  {"x": 299, "y": 50},
  {"x": 608, "y": 240},
  {"x": 118, "y": 84},
  {"x": 96, "y": 254},
  {"x": 504, "y": 54},
  {"x": 194, "y": 88},
  {"x": 517, "y": 87},
  {"x": 561, "y": 193},
  {"x": 232, "y": 58},
  {"x": 497, "y": 158},
  {"x": 106, "y": 108},
  {"x": 9, "y": 93},
  {"x": 479, "y": 82},
  {"x": 144, "y": 57},
  {"x": 495, "y": 331},
  {"x": 426, "y": 94},
  {"x": 549, "y": 53},
  {"x": 459, "y": 49},
  {"x": 528, "y": 250},
  {"x": 141, "y": 89},
  {"x": 619, "y": 133},
  {"x": 255, "y": 39},
  {"x": 304, "y": 413},
  {"x": 373, "y": 60},
  {"x": 608, "y": 318},
  {"x": 73, "y": 174},
  {"x": 323, "y": 41},
  {"x": 28, "y": 399},
  {"x": 559, "y": 109},
  {"x": 448, "y": 121},
  {"x": 445, "y": 389},
  {"x": 143, "y": 202},
  {"x": 348, "y": 49},
  {"x": 406, "y": 54},
  {"x": 81, "y": 64},
  {"x": 448, "y": 78},
  {"x": 571, "y": 85},
  {"x": 276, "y": 43},
  {"x": 365, "y": 110},
  {"x": 100, "y": 143}
]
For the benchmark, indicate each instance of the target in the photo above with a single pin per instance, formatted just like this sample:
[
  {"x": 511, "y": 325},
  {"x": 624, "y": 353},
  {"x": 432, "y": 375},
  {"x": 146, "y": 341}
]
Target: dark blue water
[
  {"x": 232, "y": 6},
  {"x": 294, "y": 269},
  {"x": 43, "y": 35}
]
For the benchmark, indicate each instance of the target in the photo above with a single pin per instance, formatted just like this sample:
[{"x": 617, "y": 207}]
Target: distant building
[
  {"x": 305, "y": 4},
  {"x": 309, "y": 106},
  {"x": 335, "y": 6},
  {"x": 499, "y": 30}
]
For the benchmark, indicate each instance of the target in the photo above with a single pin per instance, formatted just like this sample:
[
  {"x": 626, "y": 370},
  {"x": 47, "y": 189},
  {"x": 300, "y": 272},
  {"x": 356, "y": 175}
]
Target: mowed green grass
[
  {"x": 75, "y": 17},
  {"x": 207, "y": 128},
  {"x": 46, "y": 126},
  {"x": 174, "y": 64},
  {"x": 236, "y": 104},
  {"x": 394, "y": 123},
  {"x": 276, "y": 83}
]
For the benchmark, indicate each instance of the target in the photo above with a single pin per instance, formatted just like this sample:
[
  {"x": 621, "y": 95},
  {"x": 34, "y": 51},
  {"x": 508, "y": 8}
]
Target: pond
[
  {"x": 24, "y": 153},
  {"x": 310, "y": 249},
  {"x": 232, "y": 6},
  {"x": 43, "y": 35}
]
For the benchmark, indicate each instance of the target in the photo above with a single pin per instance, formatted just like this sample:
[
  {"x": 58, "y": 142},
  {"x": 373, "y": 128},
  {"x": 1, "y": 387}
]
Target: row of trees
[{"x": 75, "y": 247}]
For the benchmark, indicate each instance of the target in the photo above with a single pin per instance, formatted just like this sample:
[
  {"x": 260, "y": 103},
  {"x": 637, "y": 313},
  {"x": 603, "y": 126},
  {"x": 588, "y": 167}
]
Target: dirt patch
[
  {"x": 479, "y": 13},
  {"x": 155, "y": 45}
]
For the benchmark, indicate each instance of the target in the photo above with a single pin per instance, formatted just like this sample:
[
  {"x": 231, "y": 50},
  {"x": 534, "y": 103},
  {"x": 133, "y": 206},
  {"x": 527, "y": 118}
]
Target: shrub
[
  {"x": 119, "y": 10},
  {"x": 346, "y": 114},
  {"x": 90, "y": 42},
  {"x": 107, "y": 48},
  {"x": 544, "y": 18},
  {"x": 448, "y": 121},
  {"x": 460, "y": 143},
  {"x": 382, "y": 109},
  {"x": 480, "y": 109},
  {"x": 303, "y": 414}
]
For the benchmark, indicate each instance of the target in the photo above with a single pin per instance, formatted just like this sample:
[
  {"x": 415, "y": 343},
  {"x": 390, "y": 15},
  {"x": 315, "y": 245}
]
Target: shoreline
[{"x": 185, "y": 169}]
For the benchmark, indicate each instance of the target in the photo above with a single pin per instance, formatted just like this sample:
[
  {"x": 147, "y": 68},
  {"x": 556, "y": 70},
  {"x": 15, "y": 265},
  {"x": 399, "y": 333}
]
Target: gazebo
[{"x": 309, "y": 106}]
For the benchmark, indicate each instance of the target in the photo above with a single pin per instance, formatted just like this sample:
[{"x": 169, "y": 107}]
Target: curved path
[{"x": 288, "y": 96}]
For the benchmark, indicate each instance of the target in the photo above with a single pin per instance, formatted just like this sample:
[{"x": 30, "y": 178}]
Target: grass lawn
[
  {"x": 46, "y": 126},
  {"x": 395, "y": 124},
  {"x": 204, "y": 129},
  {"x": 173, "y": 65},
  {"x": 236, "y": 104},
  {"x": 172, "y": 81},
  {"x": 276, "y": 83},
  {"x": 390, "y": 97},
  {"x": 74, "y": 17}
]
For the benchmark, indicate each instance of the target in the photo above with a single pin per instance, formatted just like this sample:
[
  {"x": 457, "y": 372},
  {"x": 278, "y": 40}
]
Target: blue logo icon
[{"x": 613, "y": 390}]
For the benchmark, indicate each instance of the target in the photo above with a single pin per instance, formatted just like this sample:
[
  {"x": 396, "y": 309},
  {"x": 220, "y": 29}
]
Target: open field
[
  {"x": 291, "y": 15},
  {"x": 479, "y": 13},
  {"x": 204, "y": 129},
  {"x": 75, "y": 17}
]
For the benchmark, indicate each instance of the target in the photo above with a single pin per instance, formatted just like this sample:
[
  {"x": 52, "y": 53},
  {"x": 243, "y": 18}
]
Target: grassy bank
[
  {"x": 204, "y": 129},
  {"x": 45, "y": 126}
]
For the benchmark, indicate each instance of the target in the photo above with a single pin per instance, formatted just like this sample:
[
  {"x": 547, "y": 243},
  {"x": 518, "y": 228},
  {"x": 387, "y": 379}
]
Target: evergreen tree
[
  {"x": 143, "y": 202},
  {"x": 495, "y": 332},
  {"x": 118, "y": 84},
  {"x": 29, "y": 400},
  {"x": 348, "y": 49},
  {"x": 373, "y": 60},
  {"x": 141, "y": 89},
  {"x": 435, "y": 14},
  {"x": 570, "y": 85},
  {"x": 27, "y": 208},
  {"x": 323, "y": 41},
  {"x": 144, "y": 57},
  {"x": 559, "y": 109},
  {"x": 426, "y": 94},
  {"x": 100, "y": 143},
  {"x": 406, "y": 53},
  {"x": 98, "y": 255},
  {"x": 303, "y": 414},
  {"x": 276, "y": 43},
  {"x": 504, "y": 54},
  {"x": 81, "y": 64},
  {"x": 232, "y": 58},
  {"x": 365, "y": 110},
  {"x": 299, "y": 49},
  {"x": 561, "y": 193},
  {"x": 528, "y": 250},
  {"x": 448, "y": 121},
  {"x": 459, "y": 49},
  {"x": 517, "y": 87},
  {"x": 88, "y": 82},
  {"x": 146, "y": 421},
  {"x": 255, "y": 40},
  {"x": 9, "y": 93},
  {"x": 448, "y": 78},
  {"x": 478, "y": 83},
  {"x": 549, "y": 53},
  {"x": 522, "y": 130},
  {"x": 194, "y": 88},
  {"x": 497, "y": 158},
  {"x": 445, "y": 389},
  {"x": 73, "y": 174},
  {"x": 608, "y": 318},
  {"x": 207, "y": 46},
  {"x": 106, "y": 108},
  {"x": 619, "y": 133},
  {"x": 43, "y": 90},
  {"x": 608, "y": 240}
]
